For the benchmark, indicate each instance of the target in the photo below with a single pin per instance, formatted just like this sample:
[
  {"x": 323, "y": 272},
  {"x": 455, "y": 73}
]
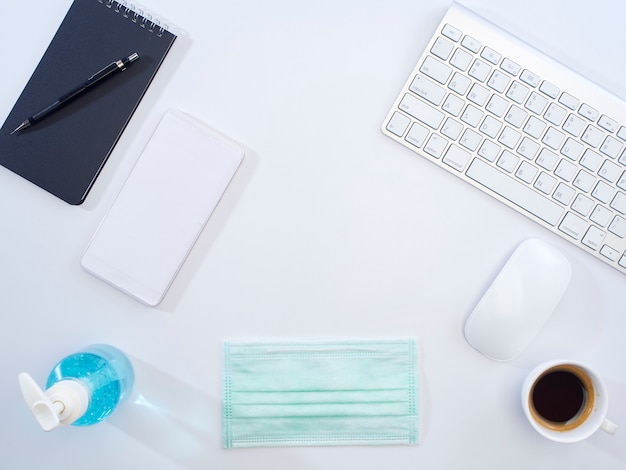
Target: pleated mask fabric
[{"x": 319, "y": 393}]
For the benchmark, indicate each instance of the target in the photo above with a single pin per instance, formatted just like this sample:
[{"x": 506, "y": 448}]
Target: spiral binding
[{"x": 136, "y": 15}]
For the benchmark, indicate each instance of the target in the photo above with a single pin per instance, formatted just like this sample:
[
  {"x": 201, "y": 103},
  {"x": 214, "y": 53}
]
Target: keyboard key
[
  {"x": 471, "y": 44},
  {"x": 479, "y": 70},
  {"x": 490, "y": 127},
  {"x": 435, "y": 145},
  {"x": 421, "y": 111},
  {"x": 457, "y": 158},
  {"x": 515, "y": 192},
  {"x": 610, "y": 171},
  {"x": 470, "y": 140},
  {"x": 564, "y": 194},
  {"x": 611, "y": 147},
  {"x": 603, "y": 192},
  {"x": 584, "y": 181},
  {"x": 549, "y": 89},
  {"x": 451, "y": 32},
  {"x": 530, "y": 78},
  {"x": 619, "y": 203},
  {"x": 398, "y": 124},
  {"x": 498, "y": 81},
  {"x": 417, "y": 135},
  {"x": 442, "y": 48},
  {"x": 528, "y": 148},
  {"x": 610, "y": 253},
  {"x": 472, "y": 115},
  {"x": 489, "y": 151},
  {"x": 526, "y": 172},
  {"x": 622, "y": 181},
  {"x": 428, "y": 90},
  {"x": 607, "y": 123},
  {"x": 478, "y": 94},
  {"x": 588, "y": 112},
  {"x": 591, "y": 160},
  {"x": 582, "y": 205},
  {"x": 568, "y": 100},
  {"x": 510, "y": 67},
  {"x": 572, "y": 149},
  {"x": 534, "y": 127},
  {"x": 555, "y": 114},
  {"x": 601, "y": 216},
  {"x": 565, "y": 170},
  {"x": 545, "y": 183},
  {"x": 497, "y": 105},
  {"x": 553, "y": 138},
  {"x": 453, "y": 105},
  {"x": 491, "y": 56},
  {"x": 592, "y": 136},
  {"x": 546, "y": 159},
  {"x": 573, "y": 226},
  {"x": 459, "y": 83},
  {"x": 536, "y": 103},
  {"x": 436, "y": 70},
  {"x": 508, "y": 162},
  {"x": 573, "y": 125},
  {"x": 452, "y": 129},
  {"x": 622, "y": 133},
  {"x": 516, "y": 116},
  {"x": 594, "y": 238},
  {"x": 509, "y": 137},
  {"x": 517, "y": 92},
  {"x": 461, "y": 59},
  {"x": 618, "y": 226}
]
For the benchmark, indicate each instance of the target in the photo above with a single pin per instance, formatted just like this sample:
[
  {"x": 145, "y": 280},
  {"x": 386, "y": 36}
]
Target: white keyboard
[{"x": 521, "y": 127}]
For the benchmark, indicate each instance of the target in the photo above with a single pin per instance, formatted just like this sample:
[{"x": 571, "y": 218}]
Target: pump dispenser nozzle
[
  {"x": 60, "y": 405},
  {"x": 82, "y": 389}
]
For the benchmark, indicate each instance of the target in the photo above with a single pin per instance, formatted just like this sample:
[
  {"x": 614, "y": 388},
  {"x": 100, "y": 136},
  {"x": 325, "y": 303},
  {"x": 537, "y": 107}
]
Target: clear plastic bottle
[{"x": 83, "y": 388}]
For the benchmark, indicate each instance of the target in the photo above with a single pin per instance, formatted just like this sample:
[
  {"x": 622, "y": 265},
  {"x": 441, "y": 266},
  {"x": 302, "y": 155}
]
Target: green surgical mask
[{"x": 358, "y": 392}]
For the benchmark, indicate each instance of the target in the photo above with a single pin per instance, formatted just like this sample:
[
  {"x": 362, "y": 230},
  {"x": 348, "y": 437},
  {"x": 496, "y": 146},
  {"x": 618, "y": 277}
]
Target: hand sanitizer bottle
[{"x": 83, "y": 389}]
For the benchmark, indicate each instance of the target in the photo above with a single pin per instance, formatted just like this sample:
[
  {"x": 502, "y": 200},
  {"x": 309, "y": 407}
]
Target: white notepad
[{"x": 160, "y": 211}]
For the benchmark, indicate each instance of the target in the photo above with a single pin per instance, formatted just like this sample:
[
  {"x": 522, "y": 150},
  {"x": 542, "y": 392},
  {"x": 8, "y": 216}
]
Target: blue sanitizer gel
[{"x": 104, "y": 371}]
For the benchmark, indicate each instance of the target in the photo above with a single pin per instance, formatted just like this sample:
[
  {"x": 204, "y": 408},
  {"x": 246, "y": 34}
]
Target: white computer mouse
[{"x": 519, "y": 301}]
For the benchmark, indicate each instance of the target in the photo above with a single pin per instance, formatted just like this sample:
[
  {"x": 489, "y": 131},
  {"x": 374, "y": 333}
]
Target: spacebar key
[{"x": 514, "y": 191}]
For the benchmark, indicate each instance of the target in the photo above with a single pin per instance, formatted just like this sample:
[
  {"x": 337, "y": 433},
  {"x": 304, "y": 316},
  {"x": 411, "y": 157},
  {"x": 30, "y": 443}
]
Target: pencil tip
[{"x": 23, "y": 125}]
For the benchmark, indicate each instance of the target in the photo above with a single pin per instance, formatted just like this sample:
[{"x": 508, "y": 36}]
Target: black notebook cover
[{"x": 65, "y": 152}]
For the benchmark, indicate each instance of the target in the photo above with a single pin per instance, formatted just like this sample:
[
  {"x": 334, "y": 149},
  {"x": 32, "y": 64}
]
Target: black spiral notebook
[{"x": 65, "y": 152}]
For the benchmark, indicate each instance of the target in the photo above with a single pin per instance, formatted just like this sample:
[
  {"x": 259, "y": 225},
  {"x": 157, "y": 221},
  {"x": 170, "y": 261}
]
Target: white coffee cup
[{"x": 553, "y": 384}]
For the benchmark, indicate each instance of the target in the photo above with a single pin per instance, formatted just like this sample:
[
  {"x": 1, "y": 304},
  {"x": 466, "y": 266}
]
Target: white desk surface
[{"x": 329, "y": 229}]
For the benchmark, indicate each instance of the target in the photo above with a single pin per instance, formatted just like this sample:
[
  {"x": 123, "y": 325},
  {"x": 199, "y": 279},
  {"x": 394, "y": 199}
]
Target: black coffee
[{"x": 559, "y": 396}]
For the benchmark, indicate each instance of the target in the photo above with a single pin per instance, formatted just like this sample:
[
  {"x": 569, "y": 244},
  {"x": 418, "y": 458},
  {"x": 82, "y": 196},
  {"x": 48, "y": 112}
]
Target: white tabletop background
[{"x": 330, "y": 229}]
